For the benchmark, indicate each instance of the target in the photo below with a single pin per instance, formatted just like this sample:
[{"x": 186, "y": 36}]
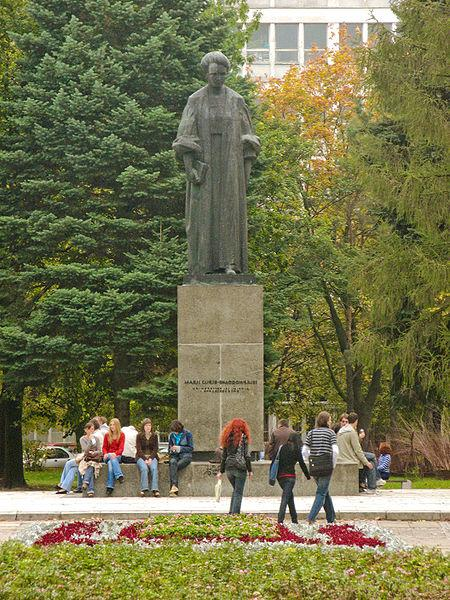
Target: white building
[{"x": 290, "y": 30}]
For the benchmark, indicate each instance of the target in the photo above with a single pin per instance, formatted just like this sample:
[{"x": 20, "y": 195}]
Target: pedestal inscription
[{"x": 220, "y": 360}]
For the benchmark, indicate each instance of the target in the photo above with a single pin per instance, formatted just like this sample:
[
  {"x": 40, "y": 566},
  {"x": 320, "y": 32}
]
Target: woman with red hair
[{"x": 234, "y": 441}]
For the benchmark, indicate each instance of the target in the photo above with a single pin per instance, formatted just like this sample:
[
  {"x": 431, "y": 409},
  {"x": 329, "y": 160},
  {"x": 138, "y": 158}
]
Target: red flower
[
  {"x": 77, "y": 532},
  {"x": 347, "y": 535}
]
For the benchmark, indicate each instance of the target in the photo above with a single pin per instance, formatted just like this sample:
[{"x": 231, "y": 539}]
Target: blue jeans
[
  {"x": 383, "y": 475},
  {"x": 89, "y": 478},
  {"x": 287, "y": 499},
  {"x": 144, "y": 469},
  {"x": 370, "y": 474},
  {"x": 114, "y": 470},
  {"x": 322, "y": 498},
  {"x": 68, "y": 475},
  {"x": 178, "y": 462},
  {"x": 237, "y": 479}
]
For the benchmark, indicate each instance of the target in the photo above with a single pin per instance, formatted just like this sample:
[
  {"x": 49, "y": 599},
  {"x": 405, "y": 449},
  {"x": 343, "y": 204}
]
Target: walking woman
[
  {"x": 290, "y": 454},
  {"x": 113, "y": 444},
  {"x": 147, "y": 457},
  {"x": 234, "y": 441},
  {"x": 322, "y": 451}
]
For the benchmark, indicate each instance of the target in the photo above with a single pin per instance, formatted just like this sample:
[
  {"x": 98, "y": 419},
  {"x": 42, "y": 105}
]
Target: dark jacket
[
  {"x": 290, "y": 454},
  {"x": 146, "y": 448},
  {"x": 279, "y": 436},
  {"x": 230, "y": 451},
  {"x": 186, "y": 442}
]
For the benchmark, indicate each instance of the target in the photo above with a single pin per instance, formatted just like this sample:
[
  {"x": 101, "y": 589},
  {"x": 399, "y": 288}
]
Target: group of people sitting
[
  {"x": 373, "y": 471},
  {"x": 112, "y": 445}
]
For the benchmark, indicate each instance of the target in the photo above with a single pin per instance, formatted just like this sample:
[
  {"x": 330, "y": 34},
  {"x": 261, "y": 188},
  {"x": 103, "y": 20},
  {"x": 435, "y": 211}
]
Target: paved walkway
[
  {"x": 427, "y": 534},
  {"x": 391, "y": 505}
]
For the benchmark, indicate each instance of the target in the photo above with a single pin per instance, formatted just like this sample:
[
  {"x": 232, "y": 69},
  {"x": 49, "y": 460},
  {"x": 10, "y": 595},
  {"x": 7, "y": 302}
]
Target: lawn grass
[
  {"x": 43, "y": 480},
  {"x": 180, "y": 570},
  {"x": 419, "y": 483}
]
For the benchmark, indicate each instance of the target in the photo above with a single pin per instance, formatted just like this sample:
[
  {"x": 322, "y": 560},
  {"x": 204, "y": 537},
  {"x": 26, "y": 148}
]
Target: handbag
[
  {"x": 321, "y": 465},
  {"x": 238, "y": 460},
  {"x": 273, "y": 470}
]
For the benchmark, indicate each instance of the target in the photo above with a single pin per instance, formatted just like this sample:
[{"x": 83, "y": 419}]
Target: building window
[
  {"x": 258, "y": 45},
  {"x": 315, "y": 40},
  {"x": 350, "y": 34},
  {"x": 286, "y": 43}
]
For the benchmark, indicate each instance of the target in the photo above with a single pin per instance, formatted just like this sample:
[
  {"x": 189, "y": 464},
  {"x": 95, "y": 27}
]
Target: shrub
[{"x": 34, "y": 455}]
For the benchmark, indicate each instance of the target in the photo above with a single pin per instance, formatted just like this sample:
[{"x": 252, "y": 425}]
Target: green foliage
[
  {"x": 402, "y": 156},
  {"x": 91, "y": 197},
  {"x": 219, "y": 573}
]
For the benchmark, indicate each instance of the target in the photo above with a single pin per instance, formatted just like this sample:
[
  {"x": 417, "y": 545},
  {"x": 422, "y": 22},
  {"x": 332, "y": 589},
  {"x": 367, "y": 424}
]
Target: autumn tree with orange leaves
[{"x": 309, "y": 227}]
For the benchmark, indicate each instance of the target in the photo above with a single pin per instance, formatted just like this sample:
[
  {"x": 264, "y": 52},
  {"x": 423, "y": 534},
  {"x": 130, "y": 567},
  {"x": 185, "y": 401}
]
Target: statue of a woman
[{"x": 217, "y": 145}]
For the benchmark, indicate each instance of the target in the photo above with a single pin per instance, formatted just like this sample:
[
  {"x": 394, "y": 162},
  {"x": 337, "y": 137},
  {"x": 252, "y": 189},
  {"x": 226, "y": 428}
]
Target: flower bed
[{"x": 206, "y": 531}]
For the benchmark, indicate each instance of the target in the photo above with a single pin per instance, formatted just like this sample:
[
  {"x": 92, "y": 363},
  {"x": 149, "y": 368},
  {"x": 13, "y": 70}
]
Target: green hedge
[{"x": 177, "y": 570}]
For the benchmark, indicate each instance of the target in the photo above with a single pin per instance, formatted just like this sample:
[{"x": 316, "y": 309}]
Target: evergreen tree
[
  {"x": 91, "y": 197},
  {"x": 402, "y": 156}
]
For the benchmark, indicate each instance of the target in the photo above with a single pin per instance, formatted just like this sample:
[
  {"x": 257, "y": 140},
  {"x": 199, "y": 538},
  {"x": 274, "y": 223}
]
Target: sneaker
[
  {"x": 156, "y": 494},
  {"x": 61, "y": 491},
  {"x": 85, "y": 486},
  {"x": 78, "y": 491},
  {"x": 369, "y": 491},
  {"x": 120, "y": 479},
  {"x": 109, "y": 491},
  {"x": 90, "y": 494},
  {"x": 58, "y": 487},
  {"x": 381, "y": 482},
  {"x": 173, "y": 491},
  {"x": 143, "y": 493}
]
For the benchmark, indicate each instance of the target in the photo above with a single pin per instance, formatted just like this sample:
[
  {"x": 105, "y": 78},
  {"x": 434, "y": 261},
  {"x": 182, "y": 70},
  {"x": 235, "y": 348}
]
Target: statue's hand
[{"x": 193, "y": 176}]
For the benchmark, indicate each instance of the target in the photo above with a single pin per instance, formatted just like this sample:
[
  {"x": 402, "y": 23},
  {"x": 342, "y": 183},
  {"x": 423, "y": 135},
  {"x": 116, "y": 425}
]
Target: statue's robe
[{"x": 217, "y": 131}]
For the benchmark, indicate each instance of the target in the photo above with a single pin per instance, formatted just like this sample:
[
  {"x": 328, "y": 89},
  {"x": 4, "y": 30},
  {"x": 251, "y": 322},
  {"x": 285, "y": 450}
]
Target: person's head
[
  {"x": 385, "y": 448},
  {"x": 353, "y": 419},
  {"x": 232, "y": 433},
  {"x": 114, "y": 429},
  {"x": 146, "y": 426},
  {"x": 89, "y": 428},
  {"x": 101, "y": 420},
  {"x": 216, "y": 66},
  {"x": 294, "y": 441},
  {"x": 323, "y": 419},
  {"x": 283, "y": 423},
  {"x": 176, "y": 426},
  {"x": 343, "y": 419},
  {"x": 96, "y": 423}
]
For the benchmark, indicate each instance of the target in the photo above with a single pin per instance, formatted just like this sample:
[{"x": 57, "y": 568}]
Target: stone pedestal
[
  {"x": 220, "y": 360},
  {"x": 199, "y": 479}
]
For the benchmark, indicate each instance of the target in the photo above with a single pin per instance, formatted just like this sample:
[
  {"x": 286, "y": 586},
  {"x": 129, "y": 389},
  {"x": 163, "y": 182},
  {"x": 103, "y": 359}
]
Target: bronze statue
[{"x": 217, "y": 145}]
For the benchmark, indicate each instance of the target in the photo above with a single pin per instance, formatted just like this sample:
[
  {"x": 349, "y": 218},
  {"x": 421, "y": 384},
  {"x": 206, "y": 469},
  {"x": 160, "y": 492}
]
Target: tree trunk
[
  {"x": 2, "y": 437},
  {"x": 14, "y": 475},
  {"x": 365, "y": 408},
  {"x": 121, "y": 381}
]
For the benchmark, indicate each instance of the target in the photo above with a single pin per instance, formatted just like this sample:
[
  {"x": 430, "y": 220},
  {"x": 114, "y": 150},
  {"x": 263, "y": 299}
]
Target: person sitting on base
[
  {"x": 89, "y": 466},
  {"x": 129, "y": 449},
  {"x": 350, "y": 452},
  {"x": 181, "y": 447},
  {"x": 113, "y": 445},
  {"x": 71, "y": 467},
  {"x": 147, "y": 457},
  {"x": 384, "y": 463}
]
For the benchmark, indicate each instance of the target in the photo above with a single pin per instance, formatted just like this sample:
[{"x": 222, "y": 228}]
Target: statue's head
[{"x": 216, "y": 67}]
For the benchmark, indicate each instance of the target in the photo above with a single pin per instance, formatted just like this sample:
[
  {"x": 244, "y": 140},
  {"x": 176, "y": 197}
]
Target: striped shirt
[
  {"x": 384, "y": 463},
  {"x": 320, "y": 441}
]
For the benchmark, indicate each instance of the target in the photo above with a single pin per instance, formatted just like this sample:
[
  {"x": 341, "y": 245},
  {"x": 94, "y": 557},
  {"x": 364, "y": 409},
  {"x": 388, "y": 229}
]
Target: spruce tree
[
  {"x": 91, "y": 197},
  {"x": 402, "y": 154}
]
